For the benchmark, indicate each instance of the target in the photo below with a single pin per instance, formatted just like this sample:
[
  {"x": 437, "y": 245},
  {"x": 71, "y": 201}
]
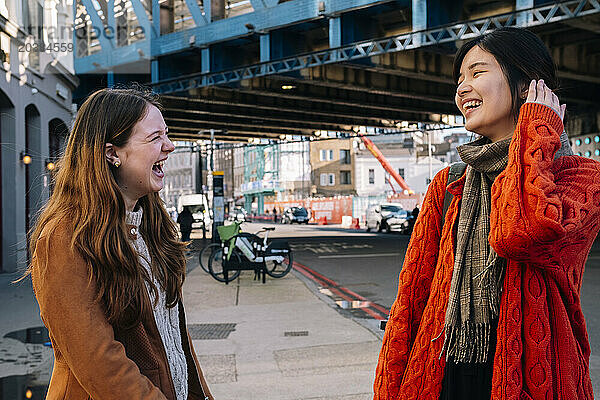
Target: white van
[{"x": 198, "y": 204}]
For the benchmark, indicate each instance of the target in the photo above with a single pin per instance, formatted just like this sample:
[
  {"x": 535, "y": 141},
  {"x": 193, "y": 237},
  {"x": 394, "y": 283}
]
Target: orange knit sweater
[{"x": 545, "y": 216}]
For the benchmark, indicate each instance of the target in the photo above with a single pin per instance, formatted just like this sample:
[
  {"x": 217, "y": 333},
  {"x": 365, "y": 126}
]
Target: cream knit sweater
[{"x": 167, "y": 319}]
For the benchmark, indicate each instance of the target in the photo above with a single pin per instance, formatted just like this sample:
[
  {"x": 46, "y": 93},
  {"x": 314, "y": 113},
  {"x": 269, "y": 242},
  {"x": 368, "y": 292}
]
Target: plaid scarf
[
  {"x": 476, "y": 284},
  {"x": 478, "y": 272}
]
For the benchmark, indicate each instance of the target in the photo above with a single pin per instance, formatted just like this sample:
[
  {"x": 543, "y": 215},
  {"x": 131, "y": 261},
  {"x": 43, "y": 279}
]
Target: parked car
[
  {"x": 295, "y": 214},
  {"x": 388, "y": 217},
  {"x": 238, "y": 214}
]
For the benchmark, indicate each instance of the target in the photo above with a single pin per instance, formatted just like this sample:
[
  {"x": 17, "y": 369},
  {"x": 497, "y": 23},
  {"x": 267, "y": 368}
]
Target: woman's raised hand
[{"x": 540, "y": 93}]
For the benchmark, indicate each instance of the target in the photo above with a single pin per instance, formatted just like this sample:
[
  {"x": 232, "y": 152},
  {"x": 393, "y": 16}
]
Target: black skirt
[{"x": 471, "y": 381}]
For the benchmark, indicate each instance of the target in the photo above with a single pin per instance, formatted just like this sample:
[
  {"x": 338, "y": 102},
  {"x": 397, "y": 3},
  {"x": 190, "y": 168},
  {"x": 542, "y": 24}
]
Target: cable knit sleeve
[
  {"x": 413, "y": 291},
  {"x": 537, "y": 200}
]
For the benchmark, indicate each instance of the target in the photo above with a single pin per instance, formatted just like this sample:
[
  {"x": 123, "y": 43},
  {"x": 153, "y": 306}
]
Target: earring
[{"x": 117, "y": 164}]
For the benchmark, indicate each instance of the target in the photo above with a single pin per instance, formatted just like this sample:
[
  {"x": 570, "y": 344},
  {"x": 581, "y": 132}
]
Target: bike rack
[
  {"x": 246, "y": 265},
  {"x": 259, "y": 268}
]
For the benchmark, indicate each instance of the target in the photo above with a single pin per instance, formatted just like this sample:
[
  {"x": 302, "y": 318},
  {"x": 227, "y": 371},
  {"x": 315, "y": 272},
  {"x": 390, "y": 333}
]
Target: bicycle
[
  {"x": 246, "y": 251},
  {"x": 205, "y": 254}
]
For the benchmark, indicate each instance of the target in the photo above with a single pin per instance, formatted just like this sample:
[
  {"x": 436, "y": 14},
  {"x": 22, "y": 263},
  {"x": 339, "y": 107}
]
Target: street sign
[{"x": 218, "y": 200}]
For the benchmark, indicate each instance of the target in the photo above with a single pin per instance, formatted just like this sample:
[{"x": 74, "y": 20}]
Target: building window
[
  {"x": 326, "y": 155},
  {"x": 4, "y": 48},
  {"x": 597, "y": 139},
  {"x": 588, "y": 153},
  {"x": 345, "y": 178},
  {"x": 323, "y": 181},
  {"x": 588, "y": 140},
  {"x": 327, "y": 179},
  {"x": 371, "y": 176},
  {"x": 578, "y": 142},
  {"x": 344, "y": 156},
  {"x": 597, "y": 152},
  {"x": 401, "y": 172}
]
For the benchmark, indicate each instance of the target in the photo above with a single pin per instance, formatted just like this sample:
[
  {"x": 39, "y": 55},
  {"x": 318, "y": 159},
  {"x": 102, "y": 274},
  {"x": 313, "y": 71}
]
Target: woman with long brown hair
[{"x": 107, "y": 266}]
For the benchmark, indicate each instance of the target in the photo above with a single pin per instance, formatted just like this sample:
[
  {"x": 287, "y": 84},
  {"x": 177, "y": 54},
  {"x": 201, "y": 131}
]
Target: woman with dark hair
[
  {"x": 488, "y": 301},
  {"x": 107, "y": 265}
]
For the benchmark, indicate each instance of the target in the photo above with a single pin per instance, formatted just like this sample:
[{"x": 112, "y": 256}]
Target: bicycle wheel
[
  {"x": 215, "y": 265},
  {"x": 205, "y": 255},
  {"x": 280, "y": 269}
]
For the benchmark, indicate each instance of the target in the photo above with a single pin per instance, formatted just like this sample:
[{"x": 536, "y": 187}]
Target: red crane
[{"x": 384, "y": 163}]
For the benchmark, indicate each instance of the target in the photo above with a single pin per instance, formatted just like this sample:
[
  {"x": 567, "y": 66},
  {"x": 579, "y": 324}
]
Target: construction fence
[{"x": 332, "y": 209}]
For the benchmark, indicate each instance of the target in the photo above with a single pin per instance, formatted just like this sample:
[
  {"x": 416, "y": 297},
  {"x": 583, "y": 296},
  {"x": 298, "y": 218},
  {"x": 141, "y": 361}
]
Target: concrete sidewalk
[{"x": 288, "y": 343}]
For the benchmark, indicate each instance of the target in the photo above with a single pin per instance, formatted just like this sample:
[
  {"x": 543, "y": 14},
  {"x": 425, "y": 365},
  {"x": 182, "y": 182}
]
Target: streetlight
[
  {"x": 25, "y": 158},
  {"x": 50, "y": 165}
]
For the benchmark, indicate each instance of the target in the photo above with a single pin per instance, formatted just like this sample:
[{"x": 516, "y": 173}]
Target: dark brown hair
[
  {"x": 522, "y": 56},
  {"x": 86, "y": 196}
]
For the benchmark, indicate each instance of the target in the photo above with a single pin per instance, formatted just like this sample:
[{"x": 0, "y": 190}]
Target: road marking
[
  {"x": 374, "y": 310},
  {"x": 361, "y": 255}
]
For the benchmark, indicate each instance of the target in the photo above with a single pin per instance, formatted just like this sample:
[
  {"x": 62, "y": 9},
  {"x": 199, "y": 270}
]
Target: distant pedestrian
[
  {"x": 185, "y": 221},
  {"x": 107, "y": 266},
  {"x": 488, "y": 303},
  {"x": 414, "y": 216},
  {"x": 415, "y": 212},
  {"x": 274, "y": 214}
]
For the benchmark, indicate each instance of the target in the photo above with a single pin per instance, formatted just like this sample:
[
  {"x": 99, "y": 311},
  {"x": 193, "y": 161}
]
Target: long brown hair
[{"x": 86, "y": 196}]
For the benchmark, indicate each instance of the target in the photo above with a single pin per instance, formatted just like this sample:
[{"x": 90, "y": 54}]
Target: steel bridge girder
[{"x": 413, "y": 40}]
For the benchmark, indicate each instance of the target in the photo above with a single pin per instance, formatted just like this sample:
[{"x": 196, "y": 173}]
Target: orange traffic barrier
[{"x": 323, "y": 221}]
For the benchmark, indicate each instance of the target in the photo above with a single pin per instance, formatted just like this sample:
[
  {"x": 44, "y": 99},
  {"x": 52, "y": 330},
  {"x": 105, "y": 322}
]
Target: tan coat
[{"x": 93, "y": 360}]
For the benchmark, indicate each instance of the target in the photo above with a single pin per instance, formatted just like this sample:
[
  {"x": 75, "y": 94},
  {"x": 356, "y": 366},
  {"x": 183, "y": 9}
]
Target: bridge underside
[
  {"x": 276, "y": 68},
  {"x": 380, "y": 91}
]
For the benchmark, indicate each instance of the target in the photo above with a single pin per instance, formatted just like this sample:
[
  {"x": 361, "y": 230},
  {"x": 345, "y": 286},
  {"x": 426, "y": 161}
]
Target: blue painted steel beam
[
  {"x": 265, "y": 47},
  {"x": 271, "y": 17},
  {"x": 143, "y": 20},
  {"x": 106, "y": 60},
  {"x": 205, "y": 59},
  {"x": 258, "y": 4},
  {"x": 105, "y": 44},
  {"x": 110, "y": 18},
  {"x": 523, "y": 5},
  {"x": 335, "y": 32},
  {"x": 154, "y": 71},
  {"x": 445, "y": 34},
  {"x": 199, "y": 19}
]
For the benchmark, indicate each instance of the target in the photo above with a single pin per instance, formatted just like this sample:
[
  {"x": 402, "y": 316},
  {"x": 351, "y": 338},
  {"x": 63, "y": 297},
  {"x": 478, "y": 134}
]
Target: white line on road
[{"x": 361, "y": 255}]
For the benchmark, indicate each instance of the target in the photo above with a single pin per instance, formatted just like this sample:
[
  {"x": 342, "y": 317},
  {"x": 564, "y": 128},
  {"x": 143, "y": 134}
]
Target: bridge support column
[
  {"x": 335, "y": 33},
  {"x": 419, "y": 18},
  {"x": 522, "y": 18},
  {"x": 265, "y": 47},
  {"x": 154, "y": 71},
  {"x": 265, "y": 50}
]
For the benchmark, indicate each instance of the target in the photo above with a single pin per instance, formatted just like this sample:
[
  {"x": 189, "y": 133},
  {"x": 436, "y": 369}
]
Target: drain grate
[
  {"x": 210, "y": 331},
  {"x": 296, "y": 333}
]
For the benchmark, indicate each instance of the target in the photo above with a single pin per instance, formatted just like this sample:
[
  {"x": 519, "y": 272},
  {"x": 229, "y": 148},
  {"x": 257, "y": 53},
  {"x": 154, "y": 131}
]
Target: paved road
[
  {"x": 368, "y": 264},
  {"x": 358, "y": 270}
]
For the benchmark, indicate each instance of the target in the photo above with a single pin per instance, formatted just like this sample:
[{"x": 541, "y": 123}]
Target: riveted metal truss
[{"x": 449, "y": 33}]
